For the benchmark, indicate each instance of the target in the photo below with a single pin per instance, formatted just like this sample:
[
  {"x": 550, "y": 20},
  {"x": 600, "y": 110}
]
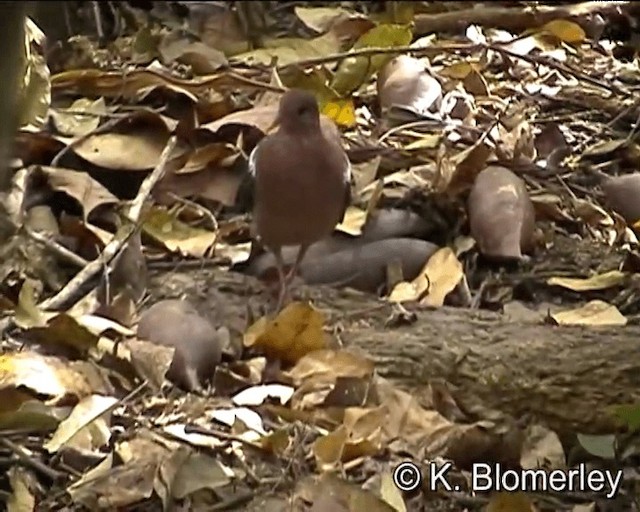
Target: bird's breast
[{"x": 300, "y": 191}]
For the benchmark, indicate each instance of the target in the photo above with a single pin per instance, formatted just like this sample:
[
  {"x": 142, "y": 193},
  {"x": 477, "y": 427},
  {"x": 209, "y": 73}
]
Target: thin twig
[
  {"x": 117, "y": 243},
  {"x": 30, "y": 461},
  {"x": 59, "y": 250},
  {"x": 369, "y": 52}
]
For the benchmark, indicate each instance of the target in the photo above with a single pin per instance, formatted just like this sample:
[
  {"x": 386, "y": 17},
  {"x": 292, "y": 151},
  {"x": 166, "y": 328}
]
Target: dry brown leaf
[
  {"x": 216, "y": 184},
  {"x": 86, "y": 427},
  {"x": 467, "y": 164},
  {"x": 591, "y": 507},
  {"x": 79, "y": 185},
  {"x": 594, "y": 313},
  {"x": 542, "y": 449},
  {"x": 295, "y": 332},
  {"x": 596, "y": 282},
  {"x": 176, "y": 236},
  {"x": 217, "y": 27},
  {"x": 364, "y": 173},
  {"x": 353, "y": 221},
  {"x": 290, "y": 50},
  {"x": 321, "y": 19},
  {"x": 440, "y": 275},
  {"x": 80, "y": 118},
  {"x": 135, "y": 147},
  {"x": 335, "y": 495},
  {"x": 360, "y": 436},
  {"x": 329, "y": 365},
  {"x": 331, "y": 379},
  {"x": 25, "y": 375},
  {"x": 207, "y": 156},
  {"x": 203, "y": 59}
]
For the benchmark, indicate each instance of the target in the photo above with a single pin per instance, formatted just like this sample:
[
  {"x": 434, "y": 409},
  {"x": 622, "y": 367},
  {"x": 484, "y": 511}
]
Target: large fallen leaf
[
  {"x": 26, "y": 374},
  {"x": 331, "y": 378},
  {"x": 565, "y": 30},
  {"x": 86, "y": 427},
  {"x": 186, "y": 472},
  {"x": 596, "y": 312},
  {"x": 360, "y": 436},
  {"x": 79, "y": 185},
  {"x": 335, "y": 495},
  {"x": 596, "y": 282},
  {"x": 80, "y": 118},
  {"x": 321, "y": 19},
  {"x": 202, "y": 59},
  {"x": 441, "y": 274},
  {"x": 135, "y": 144},
  {"x": 214, "y": 183},
  {"x": 329, "y": 365},
  {"x": 290, "y": 50},
  {"x": 542, "y": 449},
  {"x": 177, "y": 236},
  {"x": 62, "y": 330},
  {"x": 296, "y": 331}
]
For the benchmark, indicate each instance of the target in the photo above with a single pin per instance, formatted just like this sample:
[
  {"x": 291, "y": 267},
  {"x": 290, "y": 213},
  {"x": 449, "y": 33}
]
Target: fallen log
[{"x": 564, "y": 377}]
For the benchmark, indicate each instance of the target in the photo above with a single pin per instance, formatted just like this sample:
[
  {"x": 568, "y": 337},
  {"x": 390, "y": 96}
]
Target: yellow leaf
[
  {"x": 509, "y": 502},
  {"x": 565, "y": 30},
  {"x": 341, "y": 111},
  {"x": 354, "y": 220},
  {"x": 597, "y": 282},
  {"x": 595, "y": 312},
  {"x": 426, "y": 141},
  {"x": 176, "y": 236},
  {"x": 296, "y": 331},
  {"x": 438, "y": 278}
]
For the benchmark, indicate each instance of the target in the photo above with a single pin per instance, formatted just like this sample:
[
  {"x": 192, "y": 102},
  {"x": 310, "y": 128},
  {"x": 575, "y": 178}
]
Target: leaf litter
[{"x": 142, "y": 163}]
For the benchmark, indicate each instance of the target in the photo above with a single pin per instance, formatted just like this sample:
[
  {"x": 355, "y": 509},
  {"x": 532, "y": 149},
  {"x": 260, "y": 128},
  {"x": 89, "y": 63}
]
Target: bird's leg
[
  {"x": 281, "y": 277},
  {"x": 294, "y": 270}
]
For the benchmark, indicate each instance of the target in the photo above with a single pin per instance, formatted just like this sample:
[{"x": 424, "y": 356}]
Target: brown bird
[{"x": 302, "y": 182}]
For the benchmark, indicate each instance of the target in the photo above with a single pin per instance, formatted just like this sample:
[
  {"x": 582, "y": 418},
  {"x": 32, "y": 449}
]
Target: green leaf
[
  {"x": 353, "y": 72},
  {"x": 629, "y": 415},
  {"x": 600, "y": 446}
]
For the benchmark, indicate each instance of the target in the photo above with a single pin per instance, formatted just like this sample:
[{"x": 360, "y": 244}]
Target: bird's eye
[{"x": 302, "y": 110}]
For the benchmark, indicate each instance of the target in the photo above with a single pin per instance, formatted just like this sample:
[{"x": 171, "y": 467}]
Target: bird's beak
[{"x": 273, "y": 125}]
